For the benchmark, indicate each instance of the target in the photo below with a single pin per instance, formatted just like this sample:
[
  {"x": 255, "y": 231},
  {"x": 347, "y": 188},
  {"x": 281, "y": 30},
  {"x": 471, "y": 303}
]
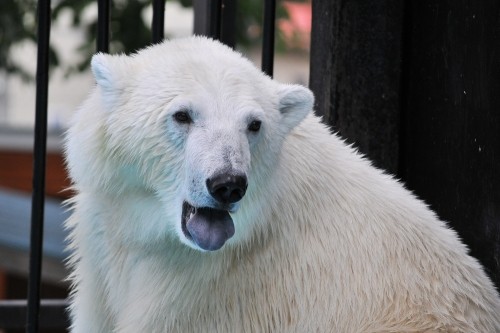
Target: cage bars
[
  {"x": 39, "y": 161},
  {"x": 268, "y": 37},
  {"x": 158, "y": 23}
]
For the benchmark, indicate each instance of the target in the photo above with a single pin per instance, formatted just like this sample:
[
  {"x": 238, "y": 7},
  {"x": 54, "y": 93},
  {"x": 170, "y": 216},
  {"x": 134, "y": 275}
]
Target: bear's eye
[
  {"x": 182, "y": 117},
  {"x": 254, "y": 126}
]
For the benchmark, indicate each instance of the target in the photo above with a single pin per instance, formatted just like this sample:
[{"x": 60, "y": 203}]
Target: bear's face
[{"x": 197, "y": 125}]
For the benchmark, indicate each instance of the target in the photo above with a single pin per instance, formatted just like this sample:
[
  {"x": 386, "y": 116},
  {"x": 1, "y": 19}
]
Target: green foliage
[
  {"x": 17, "y": 25},
  {"x": 128, "y": 30},
  {"x": 250, "y": 22}
]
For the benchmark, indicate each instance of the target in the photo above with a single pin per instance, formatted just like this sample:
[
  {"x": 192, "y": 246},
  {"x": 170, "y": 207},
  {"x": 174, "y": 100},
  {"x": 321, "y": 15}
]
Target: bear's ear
[
  {"x": 111, "y": 73},
  {"x": 295, "y": 103}
]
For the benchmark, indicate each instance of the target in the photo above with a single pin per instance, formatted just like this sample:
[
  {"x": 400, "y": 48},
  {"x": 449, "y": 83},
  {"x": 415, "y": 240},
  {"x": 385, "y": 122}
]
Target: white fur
[{"x": 324, "y": 242}]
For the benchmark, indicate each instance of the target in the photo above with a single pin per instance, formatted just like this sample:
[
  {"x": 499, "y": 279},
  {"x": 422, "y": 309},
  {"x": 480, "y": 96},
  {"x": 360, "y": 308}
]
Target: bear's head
[{"x": 190, "y": 122}]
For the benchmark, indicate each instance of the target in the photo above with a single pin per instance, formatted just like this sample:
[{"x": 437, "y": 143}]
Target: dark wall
[
  {"x": 451, "y": 151},
  {"x": 415, "y": 85}
]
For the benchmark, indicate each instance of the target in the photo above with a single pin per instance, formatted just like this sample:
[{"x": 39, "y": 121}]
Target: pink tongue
[{"x": 210, "y": 228}]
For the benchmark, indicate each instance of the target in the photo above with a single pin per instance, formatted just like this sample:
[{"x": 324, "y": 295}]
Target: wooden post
[
  {"x": 451, "y": 153},
  {"x": 355, "y": 73},
  {"x": 416, "y": 86}
]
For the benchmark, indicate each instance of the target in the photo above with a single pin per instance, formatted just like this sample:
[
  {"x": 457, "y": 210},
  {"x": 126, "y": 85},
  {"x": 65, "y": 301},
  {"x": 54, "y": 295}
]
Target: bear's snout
[{"x": 227, "y": 188}]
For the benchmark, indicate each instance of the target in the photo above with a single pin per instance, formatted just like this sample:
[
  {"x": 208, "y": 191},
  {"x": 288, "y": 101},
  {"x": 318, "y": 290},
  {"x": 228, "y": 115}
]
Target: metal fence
[{"x": 213, "y": 18}]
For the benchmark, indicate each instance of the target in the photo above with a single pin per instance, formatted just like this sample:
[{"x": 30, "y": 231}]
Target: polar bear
[{"x": 209, "y": 198}]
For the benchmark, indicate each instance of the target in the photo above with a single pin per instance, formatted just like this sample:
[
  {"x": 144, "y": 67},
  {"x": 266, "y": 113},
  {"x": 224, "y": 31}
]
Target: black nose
[{"x": 227, "y": 188}]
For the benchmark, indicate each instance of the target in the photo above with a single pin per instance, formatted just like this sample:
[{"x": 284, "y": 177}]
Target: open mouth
[{"x": 207, "y": 227}]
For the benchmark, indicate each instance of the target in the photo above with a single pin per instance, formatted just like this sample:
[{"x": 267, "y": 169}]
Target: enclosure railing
[
  {"x": 213, "y": 18},
  {"x": 39, "y": 153}
]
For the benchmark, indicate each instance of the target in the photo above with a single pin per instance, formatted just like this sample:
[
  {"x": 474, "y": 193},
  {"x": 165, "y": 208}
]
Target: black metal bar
[
  {"x": 207, "y": 18},
  {"x": 53, "y": 314},
  {"x": 215, "y": 18},
  {"x": 39, "y": 154},
  {"x": 228, "y": 22},
  {"x": 158, "y": 24},
  {"x": 103, "y": 18},
  {"x": 200, "y": 9},
  {"x": 268, "y": 37}
]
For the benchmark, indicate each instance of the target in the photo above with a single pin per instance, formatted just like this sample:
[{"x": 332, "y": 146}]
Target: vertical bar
[
  {"x": 215, "y": 18},
  {"x": 268, "y": 37},
  {"x": 39, "y": 151},
  {"x": 103, "y": 18},
  {"x": 158, "y": 24},
  {"x": 200, "y": 8},
  {"x": 207, "y": 18},
  {"x": 228, "y": 22}
]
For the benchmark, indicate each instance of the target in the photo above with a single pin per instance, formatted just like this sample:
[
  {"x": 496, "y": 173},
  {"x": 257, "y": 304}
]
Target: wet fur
[{"x": 324, "y": 241}]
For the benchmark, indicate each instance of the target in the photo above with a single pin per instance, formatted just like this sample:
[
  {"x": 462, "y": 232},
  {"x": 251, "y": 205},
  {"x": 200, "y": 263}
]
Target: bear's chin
[{"x": 207, "y": 227}]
